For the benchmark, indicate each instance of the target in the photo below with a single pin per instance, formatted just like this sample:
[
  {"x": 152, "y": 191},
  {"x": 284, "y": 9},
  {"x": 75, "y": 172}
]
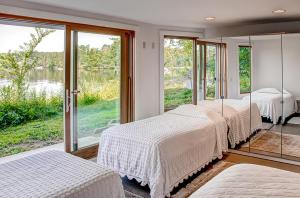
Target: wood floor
[{"x": 237, "y": 158}]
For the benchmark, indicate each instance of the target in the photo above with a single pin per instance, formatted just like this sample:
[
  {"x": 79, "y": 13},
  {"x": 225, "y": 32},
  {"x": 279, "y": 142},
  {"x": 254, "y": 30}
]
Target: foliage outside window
[
  {"x": 245, "y": 68},
  {"x": 32, "y": 82},
  {"x": 211, "y": 72},
  {"x": 178, "y": 72}
]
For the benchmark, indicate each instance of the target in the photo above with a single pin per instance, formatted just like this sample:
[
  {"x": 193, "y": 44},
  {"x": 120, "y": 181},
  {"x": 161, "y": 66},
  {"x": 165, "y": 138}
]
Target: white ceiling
[{"x": 186, "y": 13}]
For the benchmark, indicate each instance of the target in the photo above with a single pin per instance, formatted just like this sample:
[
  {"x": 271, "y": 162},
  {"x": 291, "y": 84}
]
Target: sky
[{"x": 11, "y": 37}]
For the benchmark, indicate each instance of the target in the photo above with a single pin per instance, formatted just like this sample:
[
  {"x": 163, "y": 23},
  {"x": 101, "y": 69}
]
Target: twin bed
[
  {"x": 164, "y": 150},
  {"x": 249, "y": 180},
  {"x": 58, "y": 174}
]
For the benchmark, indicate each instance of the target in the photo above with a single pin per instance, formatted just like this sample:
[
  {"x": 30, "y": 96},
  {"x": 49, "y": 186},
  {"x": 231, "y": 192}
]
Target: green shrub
[
  {"x": 87, "y": 99},
  {"x": 15, "y": 112}
]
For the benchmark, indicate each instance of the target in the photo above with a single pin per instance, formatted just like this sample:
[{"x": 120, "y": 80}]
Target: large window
[
  {"x": 31, "y": 87},
  {"x": 178, "y": 72},
  {"x": 245, "y": 69},
  {"x": 62, "y": 84}
]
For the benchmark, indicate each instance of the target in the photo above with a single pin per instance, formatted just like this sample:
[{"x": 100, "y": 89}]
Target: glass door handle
[{"x": 75, "y": 92}]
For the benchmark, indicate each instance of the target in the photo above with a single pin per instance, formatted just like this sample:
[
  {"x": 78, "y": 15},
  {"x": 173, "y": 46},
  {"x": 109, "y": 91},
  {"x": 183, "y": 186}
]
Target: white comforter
[
  {"x": 248, "y": 180},
  {"x": 164, "y": 150},
  {"x": 270, "y": 105},
  {"x": 237, "y": 115},
  {"x": 58, "y": 174}
]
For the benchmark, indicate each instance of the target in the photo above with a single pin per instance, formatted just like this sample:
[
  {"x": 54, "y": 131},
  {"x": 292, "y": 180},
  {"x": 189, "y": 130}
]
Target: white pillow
[{"x": 268, "y": 90}]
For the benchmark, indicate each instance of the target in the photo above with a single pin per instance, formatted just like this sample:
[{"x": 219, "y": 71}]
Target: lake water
[{"x": 52, "y": 82}]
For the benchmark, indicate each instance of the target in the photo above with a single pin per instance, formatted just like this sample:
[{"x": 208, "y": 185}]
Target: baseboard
[{"x": 265, "y": 157}]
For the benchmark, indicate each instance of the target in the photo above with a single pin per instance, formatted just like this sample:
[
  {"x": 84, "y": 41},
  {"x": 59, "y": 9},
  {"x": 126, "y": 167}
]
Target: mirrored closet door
[
  {"x": 290, "y": 91},
  {"x": 236, "y": 89},
  {"x": 265, "y": 94}
]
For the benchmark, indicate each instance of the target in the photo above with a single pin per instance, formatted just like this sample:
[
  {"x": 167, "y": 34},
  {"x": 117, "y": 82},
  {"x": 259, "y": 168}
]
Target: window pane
[
  {"x": 178, "y": 72},
  {"x": 245, "y": 69},
  {"x": 31, "y": 88},
  {"x": 211, "y": 72},
  {"x": 98, "y": 78}
]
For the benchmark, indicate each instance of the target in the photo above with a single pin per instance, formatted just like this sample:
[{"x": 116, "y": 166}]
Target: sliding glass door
[{"x": 95, "y": 86}]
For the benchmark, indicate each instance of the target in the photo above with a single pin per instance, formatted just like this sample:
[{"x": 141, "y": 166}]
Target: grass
[
  {"x": 31, "y": 135},
  {"x": 96, "y": 116},
  {"x": 177, "y": 96},
  {"x": 45, "y": 132}
]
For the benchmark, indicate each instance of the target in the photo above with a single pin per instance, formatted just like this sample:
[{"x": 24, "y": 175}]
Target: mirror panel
[
  {"x": 236, "y": 109},
  {"x": 266, "y": 94},
  {"x": 290, "y": 95}
]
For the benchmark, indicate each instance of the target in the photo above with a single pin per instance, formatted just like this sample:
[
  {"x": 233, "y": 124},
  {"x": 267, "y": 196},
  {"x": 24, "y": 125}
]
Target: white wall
[
  {"x": 267, "y": 67},
  {"x": 233, "y": 68},
  {"x": 147, "y": 68}
]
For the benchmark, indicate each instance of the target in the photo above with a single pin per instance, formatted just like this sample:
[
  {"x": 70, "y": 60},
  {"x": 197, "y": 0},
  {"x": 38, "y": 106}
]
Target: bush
[
  {"x": 15, "y": 112},
  {"x": 101, "y": 92}
]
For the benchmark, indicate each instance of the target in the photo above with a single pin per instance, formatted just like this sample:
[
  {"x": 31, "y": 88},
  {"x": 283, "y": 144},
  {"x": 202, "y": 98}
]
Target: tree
[
  {"x": 15, "y": 65},
  {"x": 245, "y": 68}
]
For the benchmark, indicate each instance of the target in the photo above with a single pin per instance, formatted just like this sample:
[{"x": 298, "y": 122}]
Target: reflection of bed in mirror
[
  {"x": 269, "y": 102},
  {"x": 237, "y": 115}
]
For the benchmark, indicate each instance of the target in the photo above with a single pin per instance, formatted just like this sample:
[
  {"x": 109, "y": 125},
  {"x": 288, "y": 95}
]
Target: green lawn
[
  {"x": 40, "y": 133},
  {"x": 177, "y": 96}
]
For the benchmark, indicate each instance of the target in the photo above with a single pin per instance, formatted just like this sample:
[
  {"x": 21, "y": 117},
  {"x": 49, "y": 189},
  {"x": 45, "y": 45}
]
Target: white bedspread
[
  {"x": 237, "y": 115},
  {"x": 270, "y": 105},
  {"x": 58, "y": 174},
  {"x": 248, "y": 180},
  {"x": 163, "y": 150}
]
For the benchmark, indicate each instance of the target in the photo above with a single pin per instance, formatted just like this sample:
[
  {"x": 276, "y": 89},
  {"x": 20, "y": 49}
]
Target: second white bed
[
  {"x": 164, "y": 150},
  {"x": 249, "y": 180}
]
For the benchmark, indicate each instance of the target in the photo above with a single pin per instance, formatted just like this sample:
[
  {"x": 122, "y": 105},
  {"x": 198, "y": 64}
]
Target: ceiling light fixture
[
  {"x": 279, "y": 11},
  {"x": 210, "y": 18}
]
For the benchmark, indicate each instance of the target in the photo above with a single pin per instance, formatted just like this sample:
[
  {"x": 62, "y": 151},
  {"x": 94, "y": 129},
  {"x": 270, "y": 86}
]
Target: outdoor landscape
[
  {"x": 178, "y": 72},
  {"x": 32, "y": 91},
  {"x": 245, "y": 69},
  {"x": 178, "y": 68}
]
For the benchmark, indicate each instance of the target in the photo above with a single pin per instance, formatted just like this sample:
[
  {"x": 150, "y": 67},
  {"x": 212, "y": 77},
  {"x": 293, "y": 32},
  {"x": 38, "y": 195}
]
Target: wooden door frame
[
  {"x": 126, "y": 79},
  {"x": 127, "y": 63}
]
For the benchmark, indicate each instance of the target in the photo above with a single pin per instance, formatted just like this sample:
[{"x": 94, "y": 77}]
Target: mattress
[
  {"x": 237, "y": 115},
  {"x": 58, "y": 174},
  {"x": 248, "y": 180},
  {"x": 164, "y": 150},
  {"x": 270, "y": 105}
]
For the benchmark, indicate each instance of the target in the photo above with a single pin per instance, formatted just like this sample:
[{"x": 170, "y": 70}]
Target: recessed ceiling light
[
  {"x": 210, "y": 18},
  {"x": 279, "y": 11}
]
